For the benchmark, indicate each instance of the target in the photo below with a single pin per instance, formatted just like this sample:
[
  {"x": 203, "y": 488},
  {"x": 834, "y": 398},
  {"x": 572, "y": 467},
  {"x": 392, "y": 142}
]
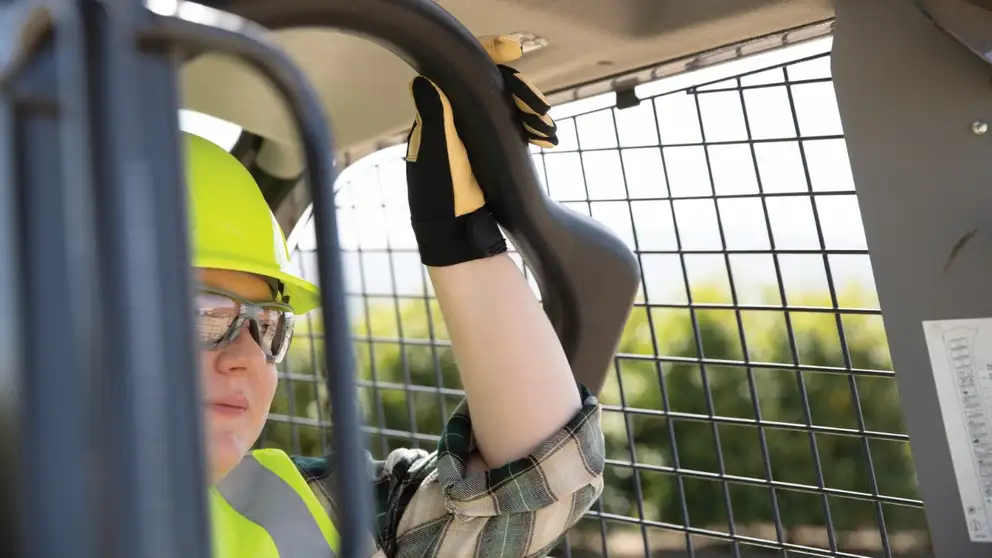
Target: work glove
[{"x": 447, "y": 208}]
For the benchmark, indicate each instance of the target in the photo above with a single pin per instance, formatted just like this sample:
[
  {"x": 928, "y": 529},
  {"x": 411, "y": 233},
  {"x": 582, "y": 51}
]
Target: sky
[{"x": 652, "y": 154}]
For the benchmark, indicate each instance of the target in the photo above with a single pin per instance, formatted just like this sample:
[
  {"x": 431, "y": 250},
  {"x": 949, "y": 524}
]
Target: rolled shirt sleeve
[
  {"x": 521, "y": 509},
  {"x": 427, "y": 507}
]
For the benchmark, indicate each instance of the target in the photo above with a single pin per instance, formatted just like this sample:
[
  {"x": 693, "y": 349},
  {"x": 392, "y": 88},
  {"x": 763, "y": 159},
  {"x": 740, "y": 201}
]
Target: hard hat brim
[{"x": 303, "y": 295}]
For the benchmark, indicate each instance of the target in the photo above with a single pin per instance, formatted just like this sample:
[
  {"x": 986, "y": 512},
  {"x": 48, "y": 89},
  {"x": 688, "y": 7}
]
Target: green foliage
[
  {"x": 770, "y": 390},
  {"x": 699, "y": 377}
]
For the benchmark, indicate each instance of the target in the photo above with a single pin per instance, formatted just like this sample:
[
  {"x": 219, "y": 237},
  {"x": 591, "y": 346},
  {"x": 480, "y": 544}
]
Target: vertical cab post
[
  {"x": 909, "y": 96},
  {"x": 102, "y": 448}
]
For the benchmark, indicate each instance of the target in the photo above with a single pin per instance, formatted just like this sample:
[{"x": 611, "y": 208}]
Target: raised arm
[
  {"x": 525, "y": 423},
  {"x": 519, "y": 386},
  {"x": 517, "y": 379}
]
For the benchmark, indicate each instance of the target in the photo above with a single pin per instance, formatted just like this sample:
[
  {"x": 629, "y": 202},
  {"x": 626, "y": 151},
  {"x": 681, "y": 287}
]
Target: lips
[{"x": 235, "y": 404}]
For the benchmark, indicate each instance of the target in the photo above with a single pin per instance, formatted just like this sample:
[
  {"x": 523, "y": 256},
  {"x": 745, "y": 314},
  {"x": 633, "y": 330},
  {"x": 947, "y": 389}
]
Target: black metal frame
[
  {"x": 93, "y": 244},
  {"x": 91, "y": 132}
]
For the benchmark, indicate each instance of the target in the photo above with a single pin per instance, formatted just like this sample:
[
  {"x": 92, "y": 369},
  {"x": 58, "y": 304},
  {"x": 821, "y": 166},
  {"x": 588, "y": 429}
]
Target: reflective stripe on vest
[{"x": 264, "y": 508}]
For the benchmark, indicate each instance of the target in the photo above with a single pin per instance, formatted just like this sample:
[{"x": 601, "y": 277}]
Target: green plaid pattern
[{"x": 426, "y": 507}]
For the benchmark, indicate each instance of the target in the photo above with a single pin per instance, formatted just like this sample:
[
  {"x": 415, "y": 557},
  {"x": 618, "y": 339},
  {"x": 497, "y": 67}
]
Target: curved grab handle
[
  {"x": 587, "y": 276},
  {"x": 222, "y": 32},
  {"x": 967, "y": 21}
]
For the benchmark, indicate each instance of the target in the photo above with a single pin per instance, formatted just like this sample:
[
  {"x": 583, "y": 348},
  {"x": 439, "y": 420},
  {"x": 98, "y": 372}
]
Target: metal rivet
[{"x": 979, "y": 127}]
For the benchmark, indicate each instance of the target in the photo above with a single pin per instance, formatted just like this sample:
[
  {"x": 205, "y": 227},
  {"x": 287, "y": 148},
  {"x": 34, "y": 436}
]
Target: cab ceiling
[{"x": 364, "y": 87}]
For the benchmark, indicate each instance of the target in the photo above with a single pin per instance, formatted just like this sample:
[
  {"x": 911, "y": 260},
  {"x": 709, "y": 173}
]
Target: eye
[
  {"x": 275, "y": 328},
  {"x": 270, "y": 321},
  {"x": 215, "y": 316}
]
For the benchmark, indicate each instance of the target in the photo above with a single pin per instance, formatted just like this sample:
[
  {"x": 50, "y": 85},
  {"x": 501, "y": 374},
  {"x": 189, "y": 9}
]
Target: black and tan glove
[{"x": 447, "y": 208}]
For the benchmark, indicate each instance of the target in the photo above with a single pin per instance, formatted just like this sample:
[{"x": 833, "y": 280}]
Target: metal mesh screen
[{"x": 752, "y": 409}]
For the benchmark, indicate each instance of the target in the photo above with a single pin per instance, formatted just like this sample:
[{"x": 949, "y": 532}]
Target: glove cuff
[{"x": 472, "y": 236}]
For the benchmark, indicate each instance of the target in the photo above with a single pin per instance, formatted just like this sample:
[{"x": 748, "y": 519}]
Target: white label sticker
[{"x": 961, "y": 356}]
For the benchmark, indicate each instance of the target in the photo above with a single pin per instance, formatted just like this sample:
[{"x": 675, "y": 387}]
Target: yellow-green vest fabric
[{"x": 263, "y": 508}]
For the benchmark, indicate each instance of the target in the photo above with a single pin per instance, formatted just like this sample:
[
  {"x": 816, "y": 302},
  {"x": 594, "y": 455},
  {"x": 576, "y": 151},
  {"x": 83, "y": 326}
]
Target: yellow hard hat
[{"x": 232, "y": 226}]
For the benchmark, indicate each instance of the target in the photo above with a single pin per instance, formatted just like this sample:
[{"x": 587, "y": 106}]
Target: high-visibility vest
[{"x": 264, "y": 508}]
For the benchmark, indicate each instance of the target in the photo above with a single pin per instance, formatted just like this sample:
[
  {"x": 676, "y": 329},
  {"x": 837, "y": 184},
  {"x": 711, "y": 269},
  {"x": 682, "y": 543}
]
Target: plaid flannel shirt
[{"x": 427, "y": 507}]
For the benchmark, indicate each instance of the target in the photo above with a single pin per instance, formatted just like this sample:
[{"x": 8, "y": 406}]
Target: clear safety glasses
[{"x": 221, "y": 314}]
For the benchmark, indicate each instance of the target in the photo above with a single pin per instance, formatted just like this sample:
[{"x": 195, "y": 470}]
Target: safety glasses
[{"x": 220, "y": 316}]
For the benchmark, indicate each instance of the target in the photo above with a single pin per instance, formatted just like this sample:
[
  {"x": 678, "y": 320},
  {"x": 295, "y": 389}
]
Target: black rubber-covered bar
[
  {"x": 11, "y": 338},
  {"x": 46, "y": 404},
  {"x": 149, "y": 466},
  {"x": 250, "y": 43},
  {"x": 588, "y": 277},
  {"x": 101, "y": 404}
]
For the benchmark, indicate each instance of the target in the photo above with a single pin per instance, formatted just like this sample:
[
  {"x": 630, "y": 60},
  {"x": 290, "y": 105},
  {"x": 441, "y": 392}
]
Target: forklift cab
[{"x": 98, "y": 84}]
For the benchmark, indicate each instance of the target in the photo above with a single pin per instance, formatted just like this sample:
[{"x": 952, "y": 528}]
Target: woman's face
[{"x": 238, "y": 383}]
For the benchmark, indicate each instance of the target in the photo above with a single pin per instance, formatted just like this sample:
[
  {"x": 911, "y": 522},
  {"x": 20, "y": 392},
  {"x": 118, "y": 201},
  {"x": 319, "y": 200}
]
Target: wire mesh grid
[{"x": 752, "y": 408}]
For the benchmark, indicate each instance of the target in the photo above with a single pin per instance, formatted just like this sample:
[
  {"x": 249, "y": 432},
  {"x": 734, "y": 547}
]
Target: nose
[{"x": 241, "y": 355}]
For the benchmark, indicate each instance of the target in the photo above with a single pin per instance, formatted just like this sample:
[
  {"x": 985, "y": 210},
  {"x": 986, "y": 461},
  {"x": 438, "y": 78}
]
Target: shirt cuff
[{"x": 570, "y": 460}]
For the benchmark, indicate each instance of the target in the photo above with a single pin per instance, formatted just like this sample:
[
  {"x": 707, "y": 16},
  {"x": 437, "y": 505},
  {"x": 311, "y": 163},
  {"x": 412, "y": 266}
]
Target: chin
[{"x": 225, "y": 452}]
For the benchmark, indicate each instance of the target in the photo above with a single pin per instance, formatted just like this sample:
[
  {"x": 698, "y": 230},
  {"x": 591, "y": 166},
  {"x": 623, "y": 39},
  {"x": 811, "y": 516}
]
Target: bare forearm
[{"x": 518, "y": 382}]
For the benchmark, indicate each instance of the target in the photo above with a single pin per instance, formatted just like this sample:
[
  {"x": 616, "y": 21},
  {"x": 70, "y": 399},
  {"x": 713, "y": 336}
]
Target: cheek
[
  {"x": 263, "y": 388},
  {"x": 208, "y": 360}
]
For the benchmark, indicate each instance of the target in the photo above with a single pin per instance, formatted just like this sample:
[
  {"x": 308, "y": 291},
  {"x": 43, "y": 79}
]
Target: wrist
[{"x": 451, "y": 241}]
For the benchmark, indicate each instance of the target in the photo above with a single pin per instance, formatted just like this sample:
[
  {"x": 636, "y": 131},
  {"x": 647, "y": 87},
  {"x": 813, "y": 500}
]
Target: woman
[{"x": 507, "y": 482}]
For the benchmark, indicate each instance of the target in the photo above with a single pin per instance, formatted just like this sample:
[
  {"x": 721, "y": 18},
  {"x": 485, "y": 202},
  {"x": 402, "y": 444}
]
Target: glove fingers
[
  {"x": 540, "y": 123},
  {"x": 501, "y": 49},
  {"x": 434, "y": 107},
  {"x": 533, "y": 108},
  {"x": 540, "y": 140},
  {"x": 530, "y": 98},
  {"x": 538, "y": 129}
]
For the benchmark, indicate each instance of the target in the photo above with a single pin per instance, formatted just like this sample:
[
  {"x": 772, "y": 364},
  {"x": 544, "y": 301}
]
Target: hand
[
  {"x": 448, "y": 210},
  {"x": 532, "y": 107}
]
